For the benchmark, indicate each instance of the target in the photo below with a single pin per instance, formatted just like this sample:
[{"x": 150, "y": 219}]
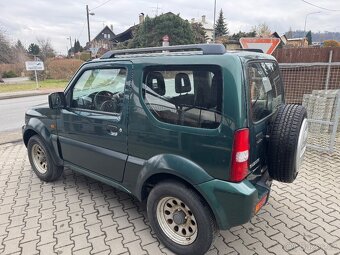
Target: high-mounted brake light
[{"x": 240, "y": 155}]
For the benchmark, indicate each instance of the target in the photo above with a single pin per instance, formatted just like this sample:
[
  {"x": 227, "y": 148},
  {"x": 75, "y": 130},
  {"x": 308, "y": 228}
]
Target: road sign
[
  {"x": 94, "y": 51},
  {"x": 34, "y": 66},
  {"x": 267, "y": 45},
  {"x": 166, "y": 38}
]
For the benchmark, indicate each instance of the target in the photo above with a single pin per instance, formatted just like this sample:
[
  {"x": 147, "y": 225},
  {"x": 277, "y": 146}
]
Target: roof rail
[{"x": 204, "y": 49}]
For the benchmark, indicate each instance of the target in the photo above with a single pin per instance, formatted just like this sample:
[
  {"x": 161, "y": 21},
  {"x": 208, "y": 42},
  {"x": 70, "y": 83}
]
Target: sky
[{"x": 58, "y": 20}]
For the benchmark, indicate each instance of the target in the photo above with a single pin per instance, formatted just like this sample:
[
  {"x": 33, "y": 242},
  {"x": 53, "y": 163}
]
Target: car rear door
[{"x": 265, "y": 89}]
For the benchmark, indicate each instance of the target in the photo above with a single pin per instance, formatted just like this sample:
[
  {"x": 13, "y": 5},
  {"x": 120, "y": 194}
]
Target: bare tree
[
  {"x": 262, "y": 30},
  {"x": 6, "y": 53},
  {"x": 46, "y": 49}
]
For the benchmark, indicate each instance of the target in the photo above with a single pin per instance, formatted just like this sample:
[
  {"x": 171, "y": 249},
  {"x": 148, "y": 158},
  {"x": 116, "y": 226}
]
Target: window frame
[
  {"x": 248, "y": 89},
  {"x": 179, "y": 68},
  {"x": 69, "y": 90}
]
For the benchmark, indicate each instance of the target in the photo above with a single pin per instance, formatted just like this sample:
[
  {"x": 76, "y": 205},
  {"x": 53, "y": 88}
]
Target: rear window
[
  {"x": 266, "y": 89},
  {"x": 184, "y": 95}
]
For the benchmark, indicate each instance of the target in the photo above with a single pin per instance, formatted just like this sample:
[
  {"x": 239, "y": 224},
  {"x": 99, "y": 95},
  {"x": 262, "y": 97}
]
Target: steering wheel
[
  {"x": 101, "y": 97},
  {"x": 109, "y": 106}
]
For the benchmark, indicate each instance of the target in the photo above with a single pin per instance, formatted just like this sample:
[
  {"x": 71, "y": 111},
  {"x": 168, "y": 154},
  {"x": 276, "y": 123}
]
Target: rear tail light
[{"x": 240, "y": 155}]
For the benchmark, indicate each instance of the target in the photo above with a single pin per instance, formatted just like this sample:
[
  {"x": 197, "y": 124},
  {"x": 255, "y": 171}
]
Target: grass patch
[{"x": 31, "y": 85}]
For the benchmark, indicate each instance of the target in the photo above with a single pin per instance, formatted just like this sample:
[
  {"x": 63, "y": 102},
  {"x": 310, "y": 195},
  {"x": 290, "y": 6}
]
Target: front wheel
[
  {"x": 181, "y": 219},
  {"x": 41, "y": 160}
]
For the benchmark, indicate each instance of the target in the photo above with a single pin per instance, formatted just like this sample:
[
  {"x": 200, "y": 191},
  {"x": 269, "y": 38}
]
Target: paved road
[
  {"x": 12, "y": 111},
  {"x": 78, "y": 215}
]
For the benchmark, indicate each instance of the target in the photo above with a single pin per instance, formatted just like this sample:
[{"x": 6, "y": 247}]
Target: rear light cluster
[{"x": 240, "y": 155}]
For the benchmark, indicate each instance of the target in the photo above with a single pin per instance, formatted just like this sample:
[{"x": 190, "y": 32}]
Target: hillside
[{"x": 317, "y": 37}]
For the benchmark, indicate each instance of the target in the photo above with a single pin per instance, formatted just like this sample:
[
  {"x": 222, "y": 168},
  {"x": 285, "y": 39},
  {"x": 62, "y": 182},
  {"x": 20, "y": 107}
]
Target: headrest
[
  {"x": 155, "y": 81},
  {"x": 182, "y": 83},
  {"x": 216, "y": 91}
]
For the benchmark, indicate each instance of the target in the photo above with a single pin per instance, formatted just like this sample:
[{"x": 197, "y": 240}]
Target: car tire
[
  {"x": 287, "y": 142},
  {"x": 182, "y": 221},
  {"x": 41, "y": 160}
]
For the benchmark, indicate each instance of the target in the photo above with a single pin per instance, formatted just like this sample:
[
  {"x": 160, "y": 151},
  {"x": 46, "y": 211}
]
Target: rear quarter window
[
  {"x": 266, "y": 89},
  {"x": 184, "y": 95}
]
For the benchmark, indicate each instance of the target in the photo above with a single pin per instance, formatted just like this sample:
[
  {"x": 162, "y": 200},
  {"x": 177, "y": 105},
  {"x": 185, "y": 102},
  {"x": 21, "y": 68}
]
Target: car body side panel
[
  {"x": 138, "y": 171},
  {"x": 208, "y": 148},
  {"x": 232, "y": 203},
  {"x": 41, "y": 120}
]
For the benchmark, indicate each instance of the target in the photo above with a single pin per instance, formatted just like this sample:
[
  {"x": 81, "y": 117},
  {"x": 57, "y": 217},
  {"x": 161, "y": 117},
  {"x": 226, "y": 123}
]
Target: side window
[
  {"x": 100, "y": 90},
  {"x": 184, "y": 95},
  {"x": 266, "y": 88}
]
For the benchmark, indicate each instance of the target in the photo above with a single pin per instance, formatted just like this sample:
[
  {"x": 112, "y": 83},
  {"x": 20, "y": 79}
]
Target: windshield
[{"x": 266, "y": 89}]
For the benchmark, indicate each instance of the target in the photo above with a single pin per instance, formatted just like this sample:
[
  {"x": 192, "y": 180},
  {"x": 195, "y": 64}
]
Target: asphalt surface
[{"x": 12, "y": 111}]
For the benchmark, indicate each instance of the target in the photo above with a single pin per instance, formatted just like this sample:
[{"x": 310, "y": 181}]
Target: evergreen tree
[
  {"x": 309, "y": 38},
  {"x": 19, "y": 46},
  {"x": 200, "y": 35},
  {"x": 221, "y": 28},
  {"x": 33, "y": 49},
  {"x": 152, "y": 30},
  {"x": 240, "y": 34},
  {"x": 76, "y": 46}
]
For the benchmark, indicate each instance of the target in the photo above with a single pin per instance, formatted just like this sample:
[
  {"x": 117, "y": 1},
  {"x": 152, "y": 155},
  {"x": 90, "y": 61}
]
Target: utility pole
[
  {"x": 88, "y": 13},
  {"x": 88, "y": 23},
  {"x": 214, "y": 35},
  {"x": 304, "y": 30},
  {"x": 70, "y": 41}
]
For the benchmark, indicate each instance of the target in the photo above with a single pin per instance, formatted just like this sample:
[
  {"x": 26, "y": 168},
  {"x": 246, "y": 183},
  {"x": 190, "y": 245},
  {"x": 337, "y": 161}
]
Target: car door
[{"x": 92, "y": 130}]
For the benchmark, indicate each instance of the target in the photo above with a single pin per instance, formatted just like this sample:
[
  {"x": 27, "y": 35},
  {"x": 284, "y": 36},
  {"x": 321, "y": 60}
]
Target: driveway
[{"x": 78, "y": 215}]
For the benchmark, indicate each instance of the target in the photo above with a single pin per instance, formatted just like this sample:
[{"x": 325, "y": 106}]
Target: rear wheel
[
  {"x": 181, "y": 220},
  {"x": 288, "y": 141},
  {"x": 41, "y": 160}
]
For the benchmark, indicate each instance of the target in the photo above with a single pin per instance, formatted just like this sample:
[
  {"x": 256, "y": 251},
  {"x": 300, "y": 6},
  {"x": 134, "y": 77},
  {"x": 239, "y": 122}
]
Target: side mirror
[{"x": 57, "y": 100}]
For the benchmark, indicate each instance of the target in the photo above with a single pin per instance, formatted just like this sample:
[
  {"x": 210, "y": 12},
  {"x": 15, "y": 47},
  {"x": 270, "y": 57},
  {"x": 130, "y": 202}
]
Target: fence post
[{"x": 329, "y": 69}]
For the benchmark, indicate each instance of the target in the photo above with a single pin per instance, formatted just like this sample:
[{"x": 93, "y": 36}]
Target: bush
[
  {"x": 18, "y": 68},
  {"x": 58, "y": 69},
  {"x": 9, "y": 74},
  {"x": 331, "y": 43},
  {"x": 62, "y": 69}
]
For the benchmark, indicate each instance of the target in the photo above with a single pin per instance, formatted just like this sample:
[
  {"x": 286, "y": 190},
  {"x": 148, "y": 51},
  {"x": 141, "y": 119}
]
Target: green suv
[{"x": 196, "y": 131}]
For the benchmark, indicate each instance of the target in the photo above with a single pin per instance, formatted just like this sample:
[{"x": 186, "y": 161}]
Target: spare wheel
[{"x": 287, "y": 142}]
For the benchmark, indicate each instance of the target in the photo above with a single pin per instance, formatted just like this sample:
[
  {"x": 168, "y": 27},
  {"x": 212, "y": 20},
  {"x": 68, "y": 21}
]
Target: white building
[{"x": 208, "y": 27}]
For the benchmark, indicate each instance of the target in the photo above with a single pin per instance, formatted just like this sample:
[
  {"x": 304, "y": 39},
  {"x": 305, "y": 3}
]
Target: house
[
  {"x": 207, "y": 26},
  {"x": 283, "y": 38},
  {"x": 103, "y": 40},
  {"x": 128, "y": 33},
  {"x": 297, "y": 42}
]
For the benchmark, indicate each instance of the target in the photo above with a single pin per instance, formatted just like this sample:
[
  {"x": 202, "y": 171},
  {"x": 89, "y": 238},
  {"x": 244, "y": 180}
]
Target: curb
[{"x": 11, "y": 96}]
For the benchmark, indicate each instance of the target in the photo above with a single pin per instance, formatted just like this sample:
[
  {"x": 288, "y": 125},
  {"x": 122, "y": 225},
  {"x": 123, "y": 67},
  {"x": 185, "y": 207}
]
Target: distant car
[{"x": 196, "y": 131}]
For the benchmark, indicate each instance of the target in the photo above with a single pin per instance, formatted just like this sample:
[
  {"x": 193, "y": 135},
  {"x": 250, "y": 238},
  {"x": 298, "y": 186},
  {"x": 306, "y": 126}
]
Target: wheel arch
[
  {"x": 37, "y": 127},
  {"x": 166, "y": 165},
  {"x": 155, "y": 179}
]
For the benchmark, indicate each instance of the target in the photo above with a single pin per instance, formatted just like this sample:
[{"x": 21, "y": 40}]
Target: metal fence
[
  {"x": 303, "y": 78},
  {"x": 317, "y": 87}
]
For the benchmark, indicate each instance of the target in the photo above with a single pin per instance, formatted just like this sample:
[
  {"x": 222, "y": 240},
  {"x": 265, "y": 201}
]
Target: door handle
[{"x": 113, "y": 130}]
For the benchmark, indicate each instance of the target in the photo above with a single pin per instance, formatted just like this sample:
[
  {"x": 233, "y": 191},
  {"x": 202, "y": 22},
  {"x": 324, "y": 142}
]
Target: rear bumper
[{"x": 234, "y": 203}]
